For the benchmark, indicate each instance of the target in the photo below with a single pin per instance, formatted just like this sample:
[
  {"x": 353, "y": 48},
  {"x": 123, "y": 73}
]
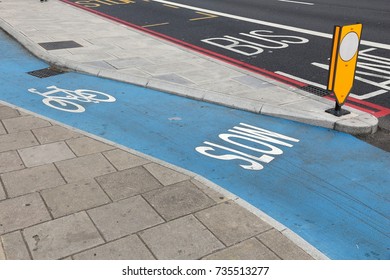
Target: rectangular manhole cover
[
  {"x": 46, "y": 72},
  {"x": 60, "y": 45}
]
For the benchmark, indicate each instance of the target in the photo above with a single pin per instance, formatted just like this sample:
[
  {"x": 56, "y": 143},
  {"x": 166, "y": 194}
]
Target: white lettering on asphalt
[
  {"x": 276, "y": 25},
  {"x": 255, "y": 137},
  {"x": 373, "y": 70},
  {"x": 264, "y": 39},
  {"x": 377, "y": 68}
]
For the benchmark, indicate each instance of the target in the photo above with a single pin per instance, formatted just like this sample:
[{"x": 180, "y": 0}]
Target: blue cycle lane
[{"x": 326, "y": 186}]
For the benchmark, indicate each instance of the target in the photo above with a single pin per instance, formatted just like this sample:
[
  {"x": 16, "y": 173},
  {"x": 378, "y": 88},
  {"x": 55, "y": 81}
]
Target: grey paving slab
[
  {"x": 165, "y": 175},
  {"x": 213, "y": 194},
  {"x": 2, "y": 193},
  {"x": 196, "y": 76},
  {"x": 90, "y": 57},
  {"x": 124, "y": 217},
  {"x": 283, "y": 246},
  {"x": 86, "y": 145},
  {"x": 10, "y": 161},
  {"x": 17, "y": 141},
  {"x": 31, "y": 179},
  {"x": 124, "y": 160},
  {"x": 85, "y": 167},
  {"x": 252, "y": 82},
  {"x": 159, "y": 69},
  {"x": 2, "y": 129},
  {"x": 178, "y": 200},
  {"x": 231, "y": 223},
  {"x": 62, "y": 237},
  {"x": 2, "y": 253},
  {"x": 129, "y": 62},
  {"x": 127, "y": 248},
  {"x": 184, "y": 238},
  {"x": 23, "y": 123},
  {"x": 54, "y": 133},
  {"x": 100, "y": 65},
  {"x": 174, "y": 78},
  {"x": 134, "y": 72},
  {"x": 229, "y": 87},
  {"x": 272, "y": 95},
  {"x": 44, "y": 154},
  {"x": 127, "y": 183},
  {"x": 250, "y": 249},
  {"x": 22, "y": 112},
  {"x": 211, "y": 72},
  {"x": 137, "y": 79},
  {"x": 14, "y": 246},
  {"x": 21, "y": 212},
  {"x": 8, "y": 112},
  {"x": 234, "y": 102},
  {"x": 74, "y": 197}
]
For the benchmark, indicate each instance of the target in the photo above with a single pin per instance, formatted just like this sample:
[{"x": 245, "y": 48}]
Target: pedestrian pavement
[{"x": 65, "y": 194}]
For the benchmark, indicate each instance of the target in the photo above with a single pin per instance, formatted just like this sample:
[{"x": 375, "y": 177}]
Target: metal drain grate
[
  {"x": 60, "y": 45},
  {"x": 46, "y": 72},
  {"x": 316, "y": 90}
]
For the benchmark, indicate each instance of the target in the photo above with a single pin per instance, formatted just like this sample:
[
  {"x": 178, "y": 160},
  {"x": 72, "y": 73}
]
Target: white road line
[
  {"x": 369, "y": 95},
  {"x": 384, "y": 86},
  {"x": 296, "y": 2},
  {"x": 276, "y": 25},
  {"x": 326, "y": 67}
]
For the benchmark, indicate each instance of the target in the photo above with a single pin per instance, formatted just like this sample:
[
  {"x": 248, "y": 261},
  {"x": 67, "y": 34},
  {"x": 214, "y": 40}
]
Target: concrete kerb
[
  {"x": 122, "y": 77},
  {"x": 343, "y": 124},
  {"x": 308, "y": 117},
  {"x": 304, "y": 245},
  {"x": 2, "y": 253},
  {"x": 299, "y": 241},
  {"x": 366, "y": 124}
]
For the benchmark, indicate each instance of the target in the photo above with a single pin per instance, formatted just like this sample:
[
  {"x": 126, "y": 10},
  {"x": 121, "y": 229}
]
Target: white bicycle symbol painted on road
[{"x": 68, "y": 101}]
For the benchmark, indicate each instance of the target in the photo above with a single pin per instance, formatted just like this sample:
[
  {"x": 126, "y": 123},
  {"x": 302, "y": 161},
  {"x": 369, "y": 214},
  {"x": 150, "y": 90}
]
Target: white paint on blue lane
[{"x": 326, "y": 186}]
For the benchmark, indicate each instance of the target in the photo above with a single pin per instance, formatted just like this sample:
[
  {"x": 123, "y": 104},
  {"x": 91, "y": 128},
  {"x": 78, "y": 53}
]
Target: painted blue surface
[{"x": 330, "y": 188}]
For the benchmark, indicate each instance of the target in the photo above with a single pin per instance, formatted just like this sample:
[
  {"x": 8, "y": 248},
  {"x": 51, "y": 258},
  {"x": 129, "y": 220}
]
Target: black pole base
[{"x": 337, "y": 111}]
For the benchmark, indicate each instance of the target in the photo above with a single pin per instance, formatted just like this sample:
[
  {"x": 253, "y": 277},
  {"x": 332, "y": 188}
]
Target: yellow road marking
[
  {"x": 156, "y": 24},
  {"x": 207, "y": 16}
]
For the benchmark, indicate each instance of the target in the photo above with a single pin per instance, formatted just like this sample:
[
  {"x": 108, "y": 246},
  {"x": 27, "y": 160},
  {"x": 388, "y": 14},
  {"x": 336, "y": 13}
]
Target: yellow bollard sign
[{"x": 346, "y": 40}]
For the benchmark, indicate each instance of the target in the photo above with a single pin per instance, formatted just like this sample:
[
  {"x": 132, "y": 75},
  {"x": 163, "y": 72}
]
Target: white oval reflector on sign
[{"x": 349, "y": 46}]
